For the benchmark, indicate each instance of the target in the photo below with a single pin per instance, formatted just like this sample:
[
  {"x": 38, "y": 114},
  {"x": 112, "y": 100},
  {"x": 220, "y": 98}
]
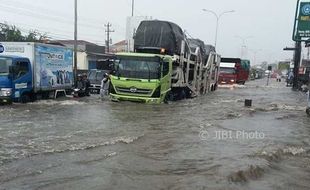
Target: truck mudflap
[{"x": 117, "y": 97}]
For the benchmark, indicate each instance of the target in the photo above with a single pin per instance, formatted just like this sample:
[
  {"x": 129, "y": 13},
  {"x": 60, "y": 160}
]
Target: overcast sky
[{"x": 269, "y": 22}]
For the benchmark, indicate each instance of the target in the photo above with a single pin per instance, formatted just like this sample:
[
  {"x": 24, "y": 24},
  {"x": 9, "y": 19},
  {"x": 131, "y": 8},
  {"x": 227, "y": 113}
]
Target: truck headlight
[
  {"x": 6, "y": 92},
  {"x": 232, "y": 80}
]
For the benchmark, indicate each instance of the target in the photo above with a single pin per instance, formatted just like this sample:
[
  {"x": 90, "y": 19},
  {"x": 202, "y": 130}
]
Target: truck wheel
[
  {"x": 169, "y": 97},
  {"x": 25, "y": 98}
]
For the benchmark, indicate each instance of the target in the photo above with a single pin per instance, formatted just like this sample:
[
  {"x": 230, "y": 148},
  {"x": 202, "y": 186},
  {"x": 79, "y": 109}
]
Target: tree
[{"x": 13, "y": 34}]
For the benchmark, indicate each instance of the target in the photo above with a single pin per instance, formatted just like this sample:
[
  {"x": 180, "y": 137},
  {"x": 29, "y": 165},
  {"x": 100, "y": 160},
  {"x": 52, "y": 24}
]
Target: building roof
[
  {"x": 121, "y": 43},
  {"x": 79, "y": 42}
]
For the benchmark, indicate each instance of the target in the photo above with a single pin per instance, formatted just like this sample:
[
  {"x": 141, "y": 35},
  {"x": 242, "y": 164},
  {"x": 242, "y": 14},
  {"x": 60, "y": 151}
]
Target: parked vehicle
[
  {"x": 256, "y": 73},
  {"x": 163, "y": 67},
  {"x": 95, "y": 77},
  {"x": 234, "y": 71},
  {"x": 29, "y": 70}
]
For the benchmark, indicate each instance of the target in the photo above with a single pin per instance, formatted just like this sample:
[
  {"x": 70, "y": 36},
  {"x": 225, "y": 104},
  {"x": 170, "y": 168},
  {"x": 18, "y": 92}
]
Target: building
[
  {"x": 89, "y": 54},
  {"x": 119, "y": 47}
]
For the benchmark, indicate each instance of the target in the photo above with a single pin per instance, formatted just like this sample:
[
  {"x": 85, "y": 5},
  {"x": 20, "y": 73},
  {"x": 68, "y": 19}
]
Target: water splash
[{"x": 250, "y": 173}]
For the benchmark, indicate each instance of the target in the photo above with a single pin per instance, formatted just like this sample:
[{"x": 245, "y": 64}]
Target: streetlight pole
[
  {"x": 218, "y": 17},
  {"x": 133, "y": 7},
  {"x": 75, "y": 41},
  {"x": 255, "y": 52},
  {"x": 244, "y": 46}
]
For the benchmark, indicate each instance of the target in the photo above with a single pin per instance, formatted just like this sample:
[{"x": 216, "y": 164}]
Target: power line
[
  {"x": 44, "y": 17},
  {"x": 40, "y": 16},
  {"x": 53, "y": 35},
  {"x": 44, "y": 30},
  {"x": 68, "y": 18}
]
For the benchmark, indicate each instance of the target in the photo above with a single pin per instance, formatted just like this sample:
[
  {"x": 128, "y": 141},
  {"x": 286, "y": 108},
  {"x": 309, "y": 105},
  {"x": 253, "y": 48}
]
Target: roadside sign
[
  {"x": 269, "y": 68},
  {"x": 302, "y": 21}
]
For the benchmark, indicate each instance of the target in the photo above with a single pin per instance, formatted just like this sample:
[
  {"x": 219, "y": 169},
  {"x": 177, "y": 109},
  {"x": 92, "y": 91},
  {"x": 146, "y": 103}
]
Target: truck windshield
[
  {"x": 96, "y": 75},
  {"x": 138, "y": 68},
  {"x": 5, "y": 63},
  {"x": 228, "y": 70}
]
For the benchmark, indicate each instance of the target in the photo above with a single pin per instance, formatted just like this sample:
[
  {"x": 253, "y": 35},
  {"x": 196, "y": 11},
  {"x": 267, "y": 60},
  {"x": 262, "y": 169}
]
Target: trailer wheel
[
  {"x": 215, "y": 87},
  {"x": 308, "y": 111},
  {"x": 169, "y": 97}
]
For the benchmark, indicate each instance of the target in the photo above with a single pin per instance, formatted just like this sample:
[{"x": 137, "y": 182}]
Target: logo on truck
[
  {"x": 15, "y": 49},
  {"x": 1, "y": 48},
  {"x": 133, "y": 89},
  {"x": 55, "y": 56}
]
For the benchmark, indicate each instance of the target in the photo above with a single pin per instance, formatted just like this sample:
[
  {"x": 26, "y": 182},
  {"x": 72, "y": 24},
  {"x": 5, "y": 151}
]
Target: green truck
[{"x": 165, "y": 66}]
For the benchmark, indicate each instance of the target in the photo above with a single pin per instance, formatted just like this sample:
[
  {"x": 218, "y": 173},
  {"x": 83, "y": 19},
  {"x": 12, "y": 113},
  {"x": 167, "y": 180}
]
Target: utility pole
[
  {"x": 133, "y": 7},
  {"x": 297, "y": 57},
  {"x": 108, "y": 31},
  {"x": 75, "y": 41}
]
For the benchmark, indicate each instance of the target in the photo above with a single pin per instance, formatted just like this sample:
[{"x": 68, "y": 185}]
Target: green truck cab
[{"x": 141, "y": 77}]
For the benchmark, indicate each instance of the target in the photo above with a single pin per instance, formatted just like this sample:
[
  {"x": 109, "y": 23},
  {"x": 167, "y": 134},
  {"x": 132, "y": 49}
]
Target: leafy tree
[{"x": 14, "y": 34}]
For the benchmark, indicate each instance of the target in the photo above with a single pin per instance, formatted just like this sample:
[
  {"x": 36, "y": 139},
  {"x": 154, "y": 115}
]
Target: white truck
[{"x": 28, "y": 70}]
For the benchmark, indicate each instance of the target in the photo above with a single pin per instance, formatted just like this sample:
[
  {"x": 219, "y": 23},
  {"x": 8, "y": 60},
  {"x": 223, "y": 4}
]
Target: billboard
[
  {"x": 53, "y": 67},
  {"x": 302, "y": 22}
]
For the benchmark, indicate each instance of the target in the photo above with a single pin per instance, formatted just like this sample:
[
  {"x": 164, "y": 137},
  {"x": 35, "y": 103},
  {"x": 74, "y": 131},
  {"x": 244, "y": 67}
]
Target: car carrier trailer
[{"x": 165, "y": 66}]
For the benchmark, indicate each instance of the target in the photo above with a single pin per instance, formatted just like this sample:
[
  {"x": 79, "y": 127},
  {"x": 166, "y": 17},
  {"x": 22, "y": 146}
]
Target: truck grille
[{"x": 134, "y": 90}]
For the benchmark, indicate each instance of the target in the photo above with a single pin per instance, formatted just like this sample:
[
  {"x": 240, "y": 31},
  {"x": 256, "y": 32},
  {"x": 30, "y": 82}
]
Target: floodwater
[{"x": 210, "y": 142}]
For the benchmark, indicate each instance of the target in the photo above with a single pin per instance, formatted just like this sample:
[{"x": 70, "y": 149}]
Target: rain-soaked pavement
[{"x": 211, "y": 142}]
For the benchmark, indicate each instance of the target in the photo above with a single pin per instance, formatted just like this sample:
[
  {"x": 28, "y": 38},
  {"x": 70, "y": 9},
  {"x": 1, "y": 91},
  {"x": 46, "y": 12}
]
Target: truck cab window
[
  {"x": 22, "y": 69},
  {"x": 165, "y": 68}
]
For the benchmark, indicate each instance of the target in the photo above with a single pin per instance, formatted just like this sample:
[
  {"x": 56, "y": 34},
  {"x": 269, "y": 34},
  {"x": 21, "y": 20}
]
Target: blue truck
[{"x": 32, "y": 70}]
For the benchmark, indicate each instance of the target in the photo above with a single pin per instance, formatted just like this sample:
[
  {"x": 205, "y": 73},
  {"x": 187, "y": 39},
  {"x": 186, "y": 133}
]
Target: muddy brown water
[{"x": 210, "y": 142}]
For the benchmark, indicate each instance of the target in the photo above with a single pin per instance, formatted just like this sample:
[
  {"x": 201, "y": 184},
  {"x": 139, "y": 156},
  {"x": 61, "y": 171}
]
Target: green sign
[{"x": 302, "y": 23}]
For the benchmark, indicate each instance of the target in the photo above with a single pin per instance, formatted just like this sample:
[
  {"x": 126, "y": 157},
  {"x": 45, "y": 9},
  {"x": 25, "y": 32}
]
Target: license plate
[{"x": 94, "y": 91}]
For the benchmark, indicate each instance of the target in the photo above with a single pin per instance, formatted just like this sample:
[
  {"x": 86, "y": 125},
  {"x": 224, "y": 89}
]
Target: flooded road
[{"x": 211, "y": 142}]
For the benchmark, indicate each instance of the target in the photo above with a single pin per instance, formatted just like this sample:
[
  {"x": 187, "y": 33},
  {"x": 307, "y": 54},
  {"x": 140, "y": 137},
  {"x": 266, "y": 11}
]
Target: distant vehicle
[
  {"x": 29, "y": 70},
  {"x": 268, "y": 73},
  {"x": 95, "y": 77},
  {"x": 304, "y": 73},
  {"x": 234, "y": 71},
  {"x": 228, "y": 73},
  {"x": 274, "y": 75}
]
